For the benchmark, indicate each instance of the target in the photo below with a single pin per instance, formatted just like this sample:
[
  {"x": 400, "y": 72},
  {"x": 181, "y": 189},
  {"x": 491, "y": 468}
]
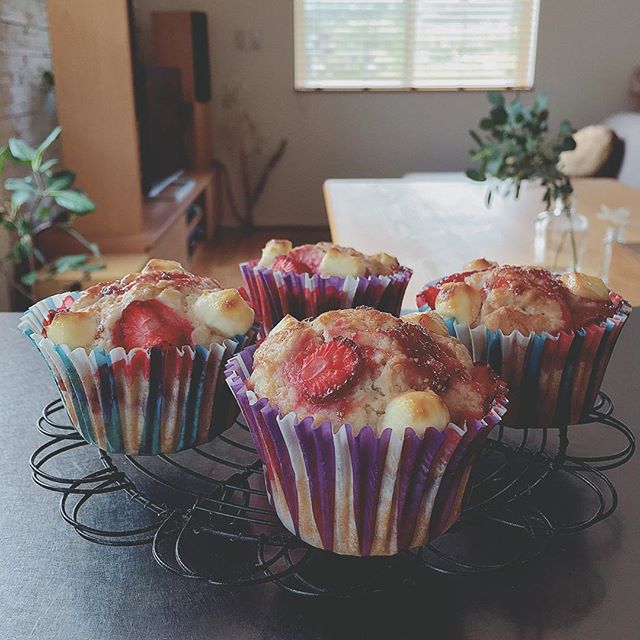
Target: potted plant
[
  {"x": 35, "y": 202},
  {"x": 514, "y": 146}
]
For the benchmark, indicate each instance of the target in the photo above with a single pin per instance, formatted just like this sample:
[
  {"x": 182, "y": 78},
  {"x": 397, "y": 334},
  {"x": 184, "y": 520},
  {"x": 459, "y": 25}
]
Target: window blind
[{"x": 415, "y": 44}]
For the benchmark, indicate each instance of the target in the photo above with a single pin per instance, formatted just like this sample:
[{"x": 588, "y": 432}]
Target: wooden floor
[{"x": 220, "y": 259}]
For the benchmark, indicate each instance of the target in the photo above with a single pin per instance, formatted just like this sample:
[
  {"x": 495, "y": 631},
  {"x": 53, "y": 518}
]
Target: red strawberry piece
[
  {"x": 309, "y": 255},
  {"x": 150, "y": 323},
  {"x": 67, "y": 302},
  {"x": 427, "y": 297},
  {"x": 329, "y": 369},
  {"x": 289, "y": 265}
]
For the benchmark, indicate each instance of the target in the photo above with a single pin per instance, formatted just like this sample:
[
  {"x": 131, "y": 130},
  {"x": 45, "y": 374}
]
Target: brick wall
[{"x": 27, "y": 107}]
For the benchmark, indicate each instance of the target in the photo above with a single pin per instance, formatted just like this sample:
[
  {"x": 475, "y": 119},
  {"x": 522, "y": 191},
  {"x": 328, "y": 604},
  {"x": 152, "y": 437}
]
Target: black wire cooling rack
[{"x": 206, "y": 515}]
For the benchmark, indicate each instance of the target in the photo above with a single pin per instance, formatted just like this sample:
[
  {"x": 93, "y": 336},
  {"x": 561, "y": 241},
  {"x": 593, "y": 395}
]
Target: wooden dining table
[{"x": 437, "y": 225}]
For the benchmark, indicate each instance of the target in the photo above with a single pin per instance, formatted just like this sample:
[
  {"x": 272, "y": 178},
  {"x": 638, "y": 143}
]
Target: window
[{"x": 415, "y": 44}]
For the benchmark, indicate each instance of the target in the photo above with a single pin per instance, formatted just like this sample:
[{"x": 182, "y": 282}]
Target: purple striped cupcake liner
[
  {"x": 143, "y": 401},
  {"x": 356, "y": 492},
  {"x": 553, "y": 380},
  {"x": 275, "y": 294}
]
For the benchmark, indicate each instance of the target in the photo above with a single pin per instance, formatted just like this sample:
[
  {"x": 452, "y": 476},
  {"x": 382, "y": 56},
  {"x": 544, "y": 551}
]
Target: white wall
[{"x": 586, "y": 49}]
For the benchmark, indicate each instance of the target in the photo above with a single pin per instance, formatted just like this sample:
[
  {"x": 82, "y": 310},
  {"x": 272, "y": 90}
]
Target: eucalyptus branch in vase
[{"x": 514, "y": 146}]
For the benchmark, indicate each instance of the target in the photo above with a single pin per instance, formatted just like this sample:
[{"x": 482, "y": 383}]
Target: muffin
[
  {"x": 137, "y": 360},
  {"x": 308, "y": 280},
  {"x": 367, "y": 425},
  {"x": 548, "y": 336}
]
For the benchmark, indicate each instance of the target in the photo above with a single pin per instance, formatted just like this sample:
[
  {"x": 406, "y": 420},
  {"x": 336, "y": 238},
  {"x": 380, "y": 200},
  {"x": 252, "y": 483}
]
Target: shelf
[{"x": 158, "y": 217}]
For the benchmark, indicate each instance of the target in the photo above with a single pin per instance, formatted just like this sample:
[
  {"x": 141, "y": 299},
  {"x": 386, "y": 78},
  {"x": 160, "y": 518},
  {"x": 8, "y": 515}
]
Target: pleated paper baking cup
[
  {"x": 553, "y": 379},
  {"x": 359, "y": 493},
  {"x": 143, "y": 401},
  {"x": 274, "y": 294}
]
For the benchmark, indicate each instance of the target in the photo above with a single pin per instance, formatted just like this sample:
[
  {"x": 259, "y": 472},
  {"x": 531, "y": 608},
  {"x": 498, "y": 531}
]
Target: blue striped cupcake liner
[
  {"x": 354, "y": 491},
  {"x": 143, "y": 401},
  {"x": 553, "y": 380}
]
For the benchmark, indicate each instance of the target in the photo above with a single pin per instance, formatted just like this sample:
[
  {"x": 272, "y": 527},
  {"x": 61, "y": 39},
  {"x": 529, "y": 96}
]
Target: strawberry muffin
[
  {"x": 549, "y": 336},
  {"x": 367, "y": 424},
  {"x": 163, "y": 306},
  {"x": 307, "y": 280},
  {"x": 137, "y": 360}
]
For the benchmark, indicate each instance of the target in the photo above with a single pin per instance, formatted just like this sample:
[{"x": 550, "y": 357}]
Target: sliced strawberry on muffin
[{"x": 329, "y": 369}]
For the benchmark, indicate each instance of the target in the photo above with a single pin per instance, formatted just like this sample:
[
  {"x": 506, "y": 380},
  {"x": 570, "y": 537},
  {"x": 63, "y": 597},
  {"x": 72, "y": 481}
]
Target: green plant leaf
[
  {"x": 73, "y": 200},
  {"x": 486, "y": 124},
  {"x": 29, "y": 279},
  {"x": 60, "y": 180},
  {"x": 477, "y": 139},
  {"x": 92, "y": 266},
  {"x": 20, "y": 150},
  {"x": 18, "y": 253},
  {"x": 495, "y": 98},
  {"x": 69, "y": 263},
  {"x": 20, "y": 184},
  {"x": 43, "y": 213},
  {"x": 49, "y": 140},
  {"x": 493, "y": 165},
  {"x": 476, "y": 174},
  {"x": 18, "y": 198},
  {"x": 542, "y": 102},
  {"x": 498, "y": 115},
  {"x": 9, "y": 225},
  {"x": 4, "y": 154},
  {"x": 47, "y": 164},
  {"x": 44, "y": 145},
  {"x": 24, "y": 228},
  {"x": 566, "y": 128}
]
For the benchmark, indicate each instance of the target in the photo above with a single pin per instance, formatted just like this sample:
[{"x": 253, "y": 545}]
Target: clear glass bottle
[
  {"x": 560, "y": 238},
  {"x": 613, "y": 234}
]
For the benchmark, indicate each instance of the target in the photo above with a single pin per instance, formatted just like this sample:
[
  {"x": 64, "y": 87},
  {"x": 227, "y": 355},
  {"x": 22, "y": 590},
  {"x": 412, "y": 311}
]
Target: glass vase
[{"x": 560, "y": 238}]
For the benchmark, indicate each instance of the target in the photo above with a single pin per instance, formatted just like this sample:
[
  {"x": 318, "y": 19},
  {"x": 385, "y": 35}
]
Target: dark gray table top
[{"x": 55, "y": 585}]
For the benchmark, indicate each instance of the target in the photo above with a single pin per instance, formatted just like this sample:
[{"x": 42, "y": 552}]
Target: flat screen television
[
  {"x": 163, "y": 121},
  {"x": 163, "y": 117}
]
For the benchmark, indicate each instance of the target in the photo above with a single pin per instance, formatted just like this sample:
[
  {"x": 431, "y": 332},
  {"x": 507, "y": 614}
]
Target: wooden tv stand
[{"x": 166, "y": 230}]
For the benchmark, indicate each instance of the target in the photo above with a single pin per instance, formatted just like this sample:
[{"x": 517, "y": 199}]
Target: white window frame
[{"x": 300, "y": 86}]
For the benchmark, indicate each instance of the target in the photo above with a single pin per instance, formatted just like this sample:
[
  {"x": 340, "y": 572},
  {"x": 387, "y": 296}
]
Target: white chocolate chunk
[
  {"x": 479, "y": 264},
  {"x": 73, "y": 328},
  {"x": 172, "y": 298},
  {"x": 460, "y": 301},
  {"x": 429, "y": 320},
  {"x": 590, "y": 287},
  {"x": 341, "y": 264},
  {"x": 288, "y": 322},
  {"x": 157, "y": 264},
  {"x": 418, "y": 410},
  {"x": 386, "y": 260},
  {"x": 272, "y": 250},
  {"x": 224, "y": 311}
]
